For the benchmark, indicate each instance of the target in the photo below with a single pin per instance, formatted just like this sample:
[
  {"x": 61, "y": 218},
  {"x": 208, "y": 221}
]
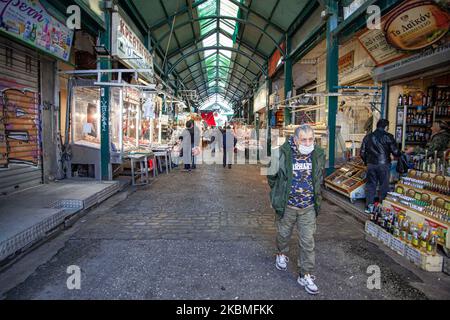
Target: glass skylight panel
[
  {"x": 228, "y": 8},
  {"x": 224, "y": 26},
  {"x": 225, "y": 41},
  {"x": 210, "y": 41}
]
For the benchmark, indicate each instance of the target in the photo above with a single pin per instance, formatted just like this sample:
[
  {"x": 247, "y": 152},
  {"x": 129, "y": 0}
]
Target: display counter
[{"x": 349, "y": 180}]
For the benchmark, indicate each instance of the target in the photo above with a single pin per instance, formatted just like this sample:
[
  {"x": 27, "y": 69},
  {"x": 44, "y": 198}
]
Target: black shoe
[{"x": 229, "y": 166}]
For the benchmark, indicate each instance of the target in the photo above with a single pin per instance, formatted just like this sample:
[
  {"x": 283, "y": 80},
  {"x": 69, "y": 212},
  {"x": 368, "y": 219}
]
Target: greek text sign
[
  {"x": 29, "y": 21},
  {"x": 129, "y": 48},
  {"x": 416, "y": 26}
]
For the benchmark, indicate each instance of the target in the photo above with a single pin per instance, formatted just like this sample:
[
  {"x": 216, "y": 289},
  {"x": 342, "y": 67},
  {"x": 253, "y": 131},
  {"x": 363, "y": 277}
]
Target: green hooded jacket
[{"x": 281, "y": 182}]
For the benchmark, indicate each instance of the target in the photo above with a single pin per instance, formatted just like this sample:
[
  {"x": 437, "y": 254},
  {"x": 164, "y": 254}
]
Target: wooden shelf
[
  {"x": 419, "y": 217},
  {"x": 436, "y": 194},
  {"x": 418, "y": 125},
  {"x": 406, "y": 208}
]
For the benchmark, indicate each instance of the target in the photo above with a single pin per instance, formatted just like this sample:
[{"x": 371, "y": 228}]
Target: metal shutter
[{"x": 20, "y": 132}]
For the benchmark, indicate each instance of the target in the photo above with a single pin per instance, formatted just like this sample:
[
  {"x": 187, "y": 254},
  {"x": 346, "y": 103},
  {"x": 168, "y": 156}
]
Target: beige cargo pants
[{"x": 305, "y": 220}]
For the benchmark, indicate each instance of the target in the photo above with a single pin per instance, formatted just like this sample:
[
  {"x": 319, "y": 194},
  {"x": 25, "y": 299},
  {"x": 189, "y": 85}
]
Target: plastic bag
[{"x": 402, "y": 164}]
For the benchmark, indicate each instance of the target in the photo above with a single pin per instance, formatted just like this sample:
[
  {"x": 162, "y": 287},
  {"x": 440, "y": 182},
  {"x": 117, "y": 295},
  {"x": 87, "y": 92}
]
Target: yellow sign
[{"x": 416, "y": 26}]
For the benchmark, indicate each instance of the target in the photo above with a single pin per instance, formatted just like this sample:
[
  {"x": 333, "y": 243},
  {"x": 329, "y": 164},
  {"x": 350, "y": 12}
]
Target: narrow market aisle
[{"x": 209, "y": 234}]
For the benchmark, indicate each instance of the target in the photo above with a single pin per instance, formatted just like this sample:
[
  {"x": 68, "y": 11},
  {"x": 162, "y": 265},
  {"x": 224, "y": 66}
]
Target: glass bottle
[
  {"x": 414, "y": 236},
  {"x": 432, "y": 243},
  {"x": 424, "y": 238}
]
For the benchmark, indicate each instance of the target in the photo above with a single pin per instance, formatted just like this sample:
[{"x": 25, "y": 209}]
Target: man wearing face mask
[{"x": 295, "y": 195}]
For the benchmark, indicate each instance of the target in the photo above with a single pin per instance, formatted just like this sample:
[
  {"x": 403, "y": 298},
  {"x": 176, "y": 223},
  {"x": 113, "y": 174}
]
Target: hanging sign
[
  {"x": 29, "y": 21},
  {"x": 416, "y": 26},
  {"x": 374, "y": 42},
  {"x": 129, "y": 48}
]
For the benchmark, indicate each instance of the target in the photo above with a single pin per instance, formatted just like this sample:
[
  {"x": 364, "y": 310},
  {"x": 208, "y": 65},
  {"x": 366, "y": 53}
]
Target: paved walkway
[{"x": 208, "y": 234}]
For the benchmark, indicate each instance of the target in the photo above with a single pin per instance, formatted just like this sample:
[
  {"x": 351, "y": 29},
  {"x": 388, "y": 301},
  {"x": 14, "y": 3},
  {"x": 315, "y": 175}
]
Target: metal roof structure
[{"x": 219, "y": 48}]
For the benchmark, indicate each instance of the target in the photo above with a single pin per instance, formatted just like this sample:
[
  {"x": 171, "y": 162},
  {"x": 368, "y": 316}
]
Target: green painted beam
[
  {"x": 247, "y": 80},
  {"x": 105, "y": 63},
  {"x": 183, "y": 10},
  {"x": 313, "y": 39},
  {"x": 272, "y": 24},
  {"x": 303, "y": 16},
  {"x": 332, "y": 81},
  {"x": 357, "y": 20},
  {"x": 182, "y": 24},
  {"x": 217, "y": 48},
  {"x": 288, "y": 80}
]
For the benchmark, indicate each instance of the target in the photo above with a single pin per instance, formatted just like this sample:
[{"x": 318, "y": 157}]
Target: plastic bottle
[
  {"x": 415, "y": 236},
  {"x": 407, "y": 236},
  {"x": 424, "y": 237},
  {"x": 432, "y": 244}
]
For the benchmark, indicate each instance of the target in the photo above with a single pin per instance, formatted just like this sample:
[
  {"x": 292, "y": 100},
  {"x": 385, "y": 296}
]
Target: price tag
[
  {"x": 417, "y": 196},
  {"x": 399, "y": 190}
]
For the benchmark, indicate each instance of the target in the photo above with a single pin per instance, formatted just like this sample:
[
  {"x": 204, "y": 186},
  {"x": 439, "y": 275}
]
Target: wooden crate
[
  {"x": 420, "y": 259},
  {"x": 398, "y": 246},
  {"x": 384, "y": 237},
  {"x": 424, "y": 261}
]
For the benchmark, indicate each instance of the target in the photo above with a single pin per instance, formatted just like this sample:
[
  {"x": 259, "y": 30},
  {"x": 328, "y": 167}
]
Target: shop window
[{"x": 86, "y": 112}]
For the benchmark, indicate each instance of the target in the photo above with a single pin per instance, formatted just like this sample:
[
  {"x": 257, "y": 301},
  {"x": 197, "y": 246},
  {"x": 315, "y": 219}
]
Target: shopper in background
[
  {"x": 191, "y": 138},
  {"x": 376, "y": 150},
  {"x": 440, "y": 140},
  {"x": 229, "y": 142},
  {"x": 296, "y": 197}
]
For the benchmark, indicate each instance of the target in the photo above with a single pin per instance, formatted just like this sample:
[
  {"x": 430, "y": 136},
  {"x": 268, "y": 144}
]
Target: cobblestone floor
[{"x": 209, "y": 234}]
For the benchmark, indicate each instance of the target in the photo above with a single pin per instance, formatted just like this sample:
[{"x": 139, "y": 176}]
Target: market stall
[{"x": 414, "y": 219}]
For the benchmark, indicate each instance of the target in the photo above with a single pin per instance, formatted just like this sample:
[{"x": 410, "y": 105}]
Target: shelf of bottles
[
  {"x": 432, "y": 164},
  {"x": 424, "y": 198},
  {"x": 422, "y": 236},
  {"x": 441, "y": 102},
  {"x": 416, "y": 112},
  {"x": 415, "y": 117}
]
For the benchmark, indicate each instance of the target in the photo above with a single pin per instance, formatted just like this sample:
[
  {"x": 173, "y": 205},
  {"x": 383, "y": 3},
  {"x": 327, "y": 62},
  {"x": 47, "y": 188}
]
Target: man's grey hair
[{"x": 305, "y": 128}]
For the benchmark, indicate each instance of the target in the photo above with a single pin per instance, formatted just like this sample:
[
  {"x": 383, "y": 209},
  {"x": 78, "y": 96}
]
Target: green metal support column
[
  {"x": 105, "y": 63},
  {"x": 332, "y": 81},
  {"x": 288, "y": 80}
]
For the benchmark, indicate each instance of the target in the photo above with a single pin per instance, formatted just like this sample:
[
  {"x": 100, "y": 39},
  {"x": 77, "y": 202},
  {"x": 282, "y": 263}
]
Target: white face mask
[{"x": 304, "y": 149}]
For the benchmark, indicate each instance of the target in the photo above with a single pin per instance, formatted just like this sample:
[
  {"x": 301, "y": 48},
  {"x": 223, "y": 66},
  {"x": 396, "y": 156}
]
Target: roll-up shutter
[{"x": 20, "y": 147}]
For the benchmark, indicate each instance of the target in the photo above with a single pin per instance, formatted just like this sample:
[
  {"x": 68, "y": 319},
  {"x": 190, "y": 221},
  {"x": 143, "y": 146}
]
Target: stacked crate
[{"x": 422, "y": 260}]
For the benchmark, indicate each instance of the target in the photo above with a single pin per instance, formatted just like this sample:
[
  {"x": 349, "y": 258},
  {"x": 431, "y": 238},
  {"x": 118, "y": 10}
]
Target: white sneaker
[
  {"x": 307, "y": 281},
  {"x": 281, "y": 262}
]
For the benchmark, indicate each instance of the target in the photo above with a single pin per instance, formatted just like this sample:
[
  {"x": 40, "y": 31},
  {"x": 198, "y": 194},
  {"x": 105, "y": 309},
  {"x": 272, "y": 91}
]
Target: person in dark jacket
[
  {"x": 229, "y": 142},
  {"x": 376, "y": 150},
  {"x": 295, "y": 195}
]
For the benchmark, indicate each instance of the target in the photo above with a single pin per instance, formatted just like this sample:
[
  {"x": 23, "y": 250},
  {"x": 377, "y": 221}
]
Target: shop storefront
[
  {"x": 133, "y": 106},
  {"x": 28, "y": 104},
  {"x": 411, "y": 55}
]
